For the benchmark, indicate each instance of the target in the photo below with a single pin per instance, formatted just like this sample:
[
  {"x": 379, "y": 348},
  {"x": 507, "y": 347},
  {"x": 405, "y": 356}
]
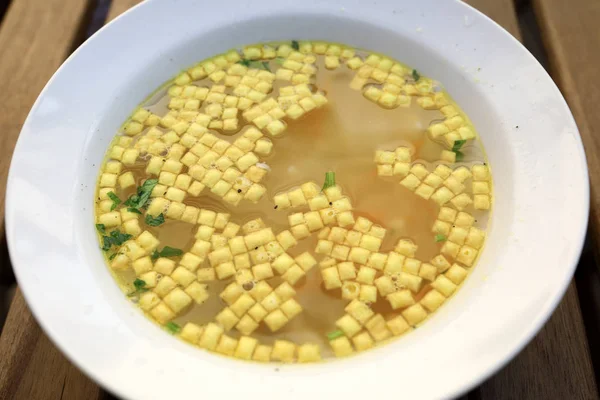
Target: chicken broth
[{"x": 294, "y": 202}]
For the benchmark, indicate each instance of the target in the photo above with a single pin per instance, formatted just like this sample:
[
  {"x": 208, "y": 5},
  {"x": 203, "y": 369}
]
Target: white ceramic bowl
[{"x": 538, "y": 226}]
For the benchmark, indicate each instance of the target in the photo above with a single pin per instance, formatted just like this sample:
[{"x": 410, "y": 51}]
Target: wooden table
[{"x": 37, "y": 35}]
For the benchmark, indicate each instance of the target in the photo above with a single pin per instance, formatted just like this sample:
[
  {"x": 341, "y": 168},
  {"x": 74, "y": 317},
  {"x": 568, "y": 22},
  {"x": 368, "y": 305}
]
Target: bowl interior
[{"x": 538, "y": 221}]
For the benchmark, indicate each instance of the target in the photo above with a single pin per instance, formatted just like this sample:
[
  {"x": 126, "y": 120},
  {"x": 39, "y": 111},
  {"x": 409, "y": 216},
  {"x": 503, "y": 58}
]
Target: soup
[{"x": 293, "y": 202}]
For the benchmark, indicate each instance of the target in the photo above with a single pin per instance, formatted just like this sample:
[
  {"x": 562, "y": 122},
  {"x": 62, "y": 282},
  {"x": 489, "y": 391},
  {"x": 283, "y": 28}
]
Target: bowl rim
[{"x": 118, "y": 388}]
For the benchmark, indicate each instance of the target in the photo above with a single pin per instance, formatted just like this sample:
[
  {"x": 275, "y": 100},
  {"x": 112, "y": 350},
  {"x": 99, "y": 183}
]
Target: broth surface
[{"x": 344, "y": 136}]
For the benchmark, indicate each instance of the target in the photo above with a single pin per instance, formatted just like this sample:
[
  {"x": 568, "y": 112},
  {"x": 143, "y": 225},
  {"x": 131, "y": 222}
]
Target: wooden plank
[
  {"x": 570, "y": 34},
  {"x": 556, "y": 364},
  {"x": 587, "y": 278},
  {"x": 35, "y": 37},
  {"x": 118, "y": 7},
  {"x": 32, "y": 367},
  {"x": 49, "y": 375},
  {"x": 18, "y": 339}
]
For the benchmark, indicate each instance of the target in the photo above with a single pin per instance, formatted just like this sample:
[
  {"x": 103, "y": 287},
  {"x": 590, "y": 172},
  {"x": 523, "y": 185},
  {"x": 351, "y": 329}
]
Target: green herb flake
[
  {"x": 167, "y": 251},
  {"x": 155, "y": 221},
  {"x": 114, "y": 238},
  {"x": 146, "y": 189},
  {"x": 335, "y": 334},
  {"x": 415, "y": 75},
  {"x": 255, "y": 64},
  {"x": 101, "y": 228},
  {"x": 260, "y": 65},
  {"x": 140, "y": 200},
  {"x": 112, "y": 256},
  {"x": 107, "y": 243},
  {"x": 119, "y": 238},
  {"x": 458, "y": 144},
  {"x": 140, "y": 287},
  {"x": 172, "y": 328},
  {"x": 440, "y": 238},
  {"x": 131, "y": 202},
  {"x": 279, "y": 60},
  {"x": 115, "y": 199},
  {"x": 139, "y": 284},
  {"x": 170, "y": 252},
  {"x": 295, "y": 45},
  {"x": 329, "y": 180},
  {"x": 133, "y": 199}
]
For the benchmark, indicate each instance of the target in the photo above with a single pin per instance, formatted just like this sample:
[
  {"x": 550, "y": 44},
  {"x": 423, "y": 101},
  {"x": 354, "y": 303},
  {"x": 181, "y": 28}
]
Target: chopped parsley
[
  {"x": 170, "y": 252},
  {"x": 115, "y": 199},
  {"x": 415, "y": 75},
  {"x": 101, "y": 228},
  {"x": 134, "y": 210},
  {"x": 440, "y": 238},
  {"x": 112, "y": 256},
  {"x": 140, "y": 287},
  {"x": 279, "y": 60},
  {"x": 295, "y": 45},
  {"x": 119, "y": 238},
  {"x": 106, "y": 243},
  {"x": 166, "y": 252},
  {"x": 255, "y": 64},
  {"x": 172, "y": 328},
  {"x": 155, "y": 221},
  {"x": 140, "y": 200},
  {"x": 335, "y": 334},
  {"x": 458, "y": 144},
  {"x": 139, "y": 284},
  {"x": 329, "y": 180},
  {"x": 115, "y": 238}
]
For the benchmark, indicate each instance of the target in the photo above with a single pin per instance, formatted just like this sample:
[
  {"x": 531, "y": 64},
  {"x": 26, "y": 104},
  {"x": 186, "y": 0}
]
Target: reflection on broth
[{"x": 293, "y": 202}]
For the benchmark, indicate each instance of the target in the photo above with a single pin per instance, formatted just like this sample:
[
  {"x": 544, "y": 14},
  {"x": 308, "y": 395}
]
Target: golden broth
[{"x": 341, "y": 136}]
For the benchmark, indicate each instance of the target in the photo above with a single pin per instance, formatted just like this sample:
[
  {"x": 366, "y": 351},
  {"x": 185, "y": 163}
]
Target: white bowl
[{"x": 538, "y": 226}]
